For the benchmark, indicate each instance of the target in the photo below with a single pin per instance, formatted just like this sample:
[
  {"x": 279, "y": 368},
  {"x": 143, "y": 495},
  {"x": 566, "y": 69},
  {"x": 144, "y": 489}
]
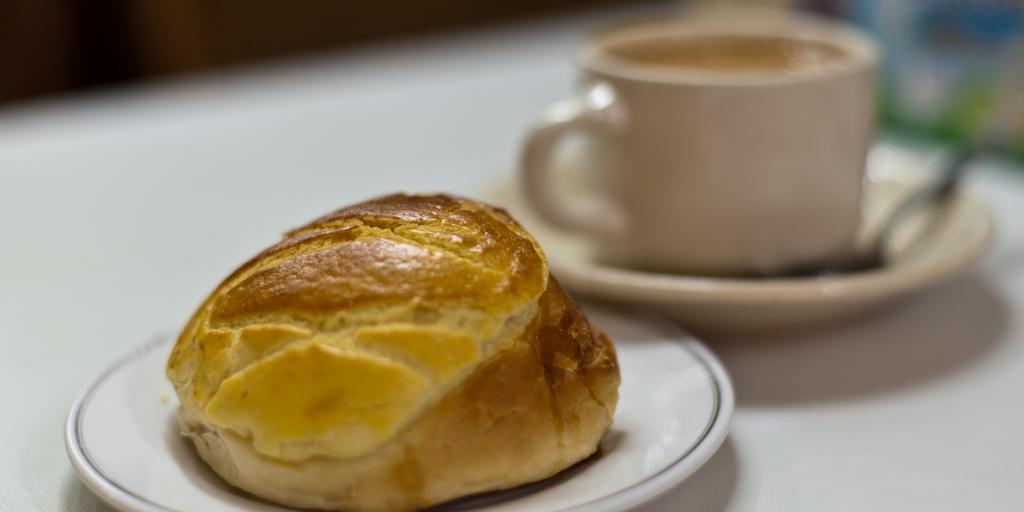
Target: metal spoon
[
  {"x": 872, "y": 255},
  {"x": 1006, "y": 110},
  {"x": 937, "y": 193}
]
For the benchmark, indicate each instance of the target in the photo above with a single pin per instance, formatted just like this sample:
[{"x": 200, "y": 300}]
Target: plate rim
[
  {"x": 88, "y": 472},
  {"x": 688, "y": 462}
]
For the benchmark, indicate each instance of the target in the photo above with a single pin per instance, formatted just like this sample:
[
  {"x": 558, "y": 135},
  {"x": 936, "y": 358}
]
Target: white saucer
[
  {"x": 674, "y": 409},
  {"x": 929, "y": 249}
]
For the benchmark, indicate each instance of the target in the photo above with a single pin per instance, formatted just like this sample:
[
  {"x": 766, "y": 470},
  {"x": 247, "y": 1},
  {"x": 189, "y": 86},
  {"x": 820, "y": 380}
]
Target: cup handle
[{"x": 593, "y": 107}]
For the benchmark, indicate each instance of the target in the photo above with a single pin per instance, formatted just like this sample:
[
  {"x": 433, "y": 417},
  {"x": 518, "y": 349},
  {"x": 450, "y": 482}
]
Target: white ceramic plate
[
  {"x": 674, "y": 409},
  {"x": 927, "y": 250}
]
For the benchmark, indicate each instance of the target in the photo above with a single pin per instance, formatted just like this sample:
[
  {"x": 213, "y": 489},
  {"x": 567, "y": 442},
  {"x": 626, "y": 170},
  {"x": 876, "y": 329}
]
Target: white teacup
[{"x": 741, "y": 142}]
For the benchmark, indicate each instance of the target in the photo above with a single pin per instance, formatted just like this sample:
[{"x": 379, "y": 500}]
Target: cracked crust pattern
[{"x": 392, "y": 355}]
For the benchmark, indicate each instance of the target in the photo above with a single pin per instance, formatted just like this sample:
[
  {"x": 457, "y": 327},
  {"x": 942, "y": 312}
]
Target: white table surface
[{"x": 120, "y": 210}]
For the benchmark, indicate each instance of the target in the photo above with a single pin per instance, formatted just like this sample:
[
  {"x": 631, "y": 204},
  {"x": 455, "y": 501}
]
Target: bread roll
[{"x": 393, "y": 355}]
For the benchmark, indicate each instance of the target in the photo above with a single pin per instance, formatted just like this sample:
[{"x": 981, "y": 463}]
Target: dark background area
[
  {"x": 948, "y": 62},
  {"x": 48, "y": 46}
]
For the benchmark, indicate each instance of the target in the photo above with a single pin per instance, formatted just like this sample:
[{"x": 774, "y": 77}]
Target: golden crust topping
[{"x": 370, "y": 294}]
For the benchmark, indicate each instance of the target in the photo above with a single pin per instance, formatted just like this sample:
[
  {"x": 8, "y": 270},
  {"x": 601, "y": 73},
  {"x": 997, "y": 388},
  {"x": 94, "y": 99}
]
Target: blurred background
[{"x": 946, "y": 59}]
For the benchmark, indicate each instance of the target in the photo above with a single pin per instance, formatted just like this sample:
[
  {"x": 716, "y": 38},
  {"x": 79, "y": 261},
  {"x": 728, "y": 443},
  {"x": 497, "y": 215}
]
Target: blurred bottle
[{"x": 946, "y": 61}]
